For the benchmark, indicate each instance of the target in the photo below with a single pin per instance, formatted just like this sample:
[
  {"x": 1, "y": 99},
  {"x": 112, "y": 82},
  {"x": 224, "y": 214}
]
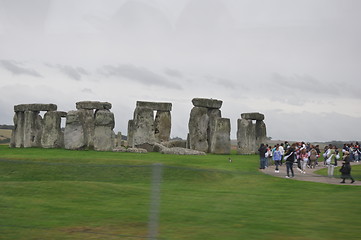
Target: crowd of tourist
[{"x": 307, "y": 156}]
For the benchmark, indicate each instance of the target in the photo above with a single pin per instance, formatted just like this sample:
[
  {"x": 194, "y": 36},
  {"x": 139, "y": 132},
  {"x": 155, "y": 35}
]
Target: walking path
[{"x": 310, "y": 176}]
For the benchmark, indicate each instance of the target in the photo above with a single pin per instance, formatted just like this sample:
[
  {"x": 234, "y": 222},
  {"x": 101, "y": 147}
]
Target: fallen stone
[
  {"x": 137, "y": 150},
  {"x": 181, "y": 151}
]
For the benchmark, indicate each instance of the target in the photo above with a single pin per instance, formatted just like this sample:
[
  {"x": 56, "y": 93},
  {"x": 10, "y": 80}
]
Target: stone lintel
[
  {"x": 253, "y": 116},
  {"x": 90, "y": 105},
  {"x": 156, "y": 106},
  {"x": 59, "y": 113},
  {"x": 35, "y": 107},
  {"x": 207, "y": 103}
]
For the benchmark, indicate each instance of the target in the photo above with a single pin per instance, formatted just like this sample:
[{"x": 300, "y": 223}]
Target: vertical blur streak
[{"x": 153, "y": 222}]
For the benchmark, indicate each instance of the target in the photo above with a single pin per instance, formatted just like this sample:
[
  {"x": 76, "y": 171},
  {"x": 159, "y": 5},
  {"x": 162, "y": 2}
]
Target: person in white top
[{"x": 282, "y": 151}]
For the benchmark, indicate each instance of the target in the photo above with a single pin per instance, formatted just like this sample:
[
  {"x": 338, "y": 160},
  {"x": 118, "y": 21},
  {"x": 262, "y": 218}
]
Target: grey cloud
[
  {"x": 17, "y": 68},
  {"x": 75, "y": 73},
  {"x": 138, "y": 74},
  {"x": 304, "y": 83},
  {"x": 173, "y": 73}
]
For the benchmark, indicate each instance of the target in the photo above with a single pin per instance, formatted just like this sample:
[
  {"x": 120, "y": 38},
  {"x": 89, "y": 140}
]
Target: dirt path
[{"x": 310, "y": 176}]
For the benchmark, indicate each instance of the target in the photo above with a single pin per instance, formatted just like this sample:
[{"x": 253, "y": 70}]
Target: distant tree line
[{"x": 4, "y": 126}]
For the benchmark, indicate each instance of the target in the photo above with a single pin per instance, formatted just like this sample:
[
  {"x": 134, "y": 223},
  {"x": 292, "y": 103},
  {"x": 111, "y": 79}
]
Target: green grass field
[{"x": 61, "y": 194}]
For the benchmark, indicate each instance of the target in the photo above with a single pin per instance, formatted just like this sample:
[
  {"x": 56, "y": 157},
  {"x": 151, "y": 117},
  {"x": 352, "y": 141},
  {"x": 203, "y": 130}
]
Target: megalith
[
  {"x": 74, "y": 137},
  {"x": 221, "y": 141},
  {"x": 151, "y": 123},
  {"x": 207, "y": 128},
  {"x": 162, "y": 126},
  {"x": 28, "y": 124},
  {"x": 198, "y": 129},
  {"x": 104, "y": 136},
  {"x": 52, "y": 135},
  {"x": 90, "y": 126},
  {"x": 246, "y": 135},
  {"x": 249, "y": 134}
]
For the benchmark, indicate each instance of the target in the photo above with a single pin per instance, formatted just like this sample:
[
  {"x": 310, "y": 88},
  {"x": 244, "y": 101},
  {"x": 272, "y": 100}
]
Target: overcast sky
[{"x": 298, "y": 62}]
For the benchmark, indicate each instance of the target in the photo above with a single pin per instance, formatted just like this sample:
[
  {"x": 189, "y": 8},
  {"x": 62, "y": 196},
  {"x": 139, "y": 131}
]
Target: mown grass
[{"x": 60, "y": 194}]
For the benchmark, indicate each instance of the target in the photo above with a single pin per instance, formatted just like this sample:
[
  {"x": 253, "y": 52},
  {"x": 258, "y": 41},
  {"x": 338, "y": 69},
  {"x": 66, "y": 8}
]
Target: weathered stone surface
[
  {"x": 52, "y": 136},
  {"x": 261, "y": 132},
  {"x": 207, "y": 103},
  {"x": 104, "y": 118},
  {"x": 137, "y": 150},
  {"x": 143, "y": 126},
  {"x": 119, "y": 141},
  {"x": 221, "y": 140},
  {"x": 17, "y": 136},
  {"x": 35, "y": 107},
  {"x": 130, "y": 137},
  {"x": 162, "y": 126},
  {"x": 103, "y": 133},
  {"x": 214, "y": 115},
  {"x": 90, "y": 105},
  {"x": 198, "y": 126},
  {"x": 175, "y": 143},
  {"x": 33, "y": 124},
  {"x": 182, "y": 151},
  {"x": 103, "y": 138},
  {"x": 253, "y": 116},
  {"x": 74, "y": 137},
  {"x": 157, "y": 147},
  {"x": 246, "y": 137},
  {"x": 157, "y": 106}
]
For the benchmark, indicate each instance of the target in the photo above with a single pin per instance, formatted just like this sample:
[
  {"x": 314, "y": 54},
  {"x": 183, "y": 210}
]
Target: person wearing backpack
[
  {"x": 313, "y": 157},
  {"x": 346, "y": 169},
  {"x": 290, "y": 159}
]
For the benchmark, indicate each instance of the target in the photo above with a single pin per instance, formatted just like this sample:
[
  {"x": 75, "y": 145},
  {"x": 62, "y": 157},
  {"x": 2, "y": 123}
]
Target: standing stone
[
  {"x": 162, "y": 126},
  {"x": 103, "y": 132},
  {"x": 52, "y": 136},
  {"x": 214, "y": 115},
  {"x": 119, "y": 141},
  {"x": 250, "y": 135},
  {"x": 143, "y": 126},
  {"x": 28, "y": 124},
  {"x": 32, "y": 129},
  {"x": 130, "y": 137},
  {"x": 246, "y": 135},
  {"x": 221, "y": 140},
  {"x": 261, "y": 133},
  {"x": 74, "y": 133},
  {"x": 17, "y": 136},
  {"x": 87, "y": 120},
  {"x": 198, "y": 129}
]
